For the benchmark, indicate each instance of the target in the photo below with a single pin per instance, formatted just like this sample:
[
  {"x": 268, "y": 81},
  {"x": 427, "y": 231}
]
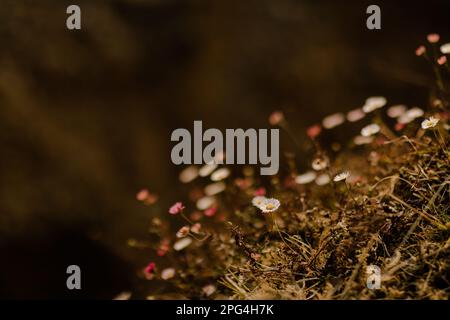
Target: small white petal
[
  {"x": 188, "y": 174},
  {"x": 405, "y": 119},
  {"x": 360, "y": 140},
  {"x": 167, "y": 273},
  {"x": 396, "y": 111},
  {"x": 258, "y": 201},
  {"x": 374, "y": 103},
  {"x": 370, "y": 130},
  {"x": 207, "y": 169},
  {"x": 205, "y": 203},
  {"x": 220, "y": 174},
  {"x": 214, "y": 188},
  {"x": 445, "y": 48},
  {"x": 306, "y": 177},
  {"x": 355, "y": 115},
  {"x": 333, "y": 120},
  {"x": 414, "y": 113},
  {"x": 323, "y": 179},
  {"x": 182, "y": 244}
]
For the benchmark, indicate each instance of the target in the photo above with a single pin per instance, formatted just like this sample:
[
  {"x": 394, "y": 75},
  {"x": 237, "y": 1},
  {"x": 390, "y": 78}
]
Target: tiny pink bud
[
  {"x": 442, "y": 60},
  {"x": 176, "y": 208},
  {"x": 399, "y": 126},
  {"x": 150, "y": 268},
  {"x": 260, "y": 192},
  {"x": 142, "y": 195},
  {"x": 420, "y": 51},
  {"x": 313, "y": 131},
  {"x": 210, "y": 211},
  {"x": 276, "y": 117},
  {"x": 433, "y": 38}
]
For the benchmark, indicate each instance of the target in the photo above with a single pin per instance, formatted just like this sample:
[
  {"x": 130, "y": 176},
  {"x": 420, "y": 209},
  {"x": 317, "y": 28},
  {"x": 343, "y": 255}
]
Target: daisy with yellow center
[
  {"x": 269, "y": 205},
  {"x": 429, "y": 123}
]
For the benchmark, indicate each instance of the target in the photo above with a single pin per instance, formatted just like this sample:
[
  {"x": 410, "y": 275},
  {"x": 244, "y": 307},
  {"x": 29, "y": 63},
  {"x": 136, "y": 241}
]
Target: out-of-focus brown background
[{"x": 86, "y": 116}]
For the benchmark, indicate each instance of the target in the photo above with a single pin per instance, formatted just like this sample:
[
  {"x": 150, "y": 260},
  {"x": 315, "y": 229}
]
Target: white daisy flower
[
  {"x": 214, "y": 188},
  {"x": 445, "y": 48},
  {"x": 188, "y": 174},
  {"x": 183, "y": 232},
  {"x": 374, "y": 103},
  {"x": 306, "y": 177},
  {"x": 341, "y": 176},
  {"x": 370, "y": 130},
  {"x": 360, "y": 140},
  {"x": 258, "y": 201},
  {"x": 396, "y": 111},
  {"x": 429, "y": 123},
  {"x": 323, "y": 179},
  {"x": 319, "y": 164},
  {"x": 168, "y": 273},
  {"x": 270, "y": 205},
  {"x": 355, "y": 115},
  {"x": 333, "y": 120},
  {"x": 220, "y": 174},
  {"x": 182, "y": 244}
]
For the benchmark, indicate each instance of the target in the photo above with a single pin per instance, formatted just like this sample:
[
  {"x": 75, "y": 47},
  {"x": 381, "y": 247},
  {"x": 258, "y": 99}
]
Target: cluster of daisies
[
  {"x": 320, "y": 173},
  {"x": 266, "y": 205},
  {"x": 206, "y": 198},
  {"x": 401, "y": 113}
]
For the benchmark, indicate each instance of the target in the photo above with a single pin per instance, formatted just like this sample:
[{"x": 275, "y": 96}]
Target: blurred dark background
[{"x": 86, "y": 116}]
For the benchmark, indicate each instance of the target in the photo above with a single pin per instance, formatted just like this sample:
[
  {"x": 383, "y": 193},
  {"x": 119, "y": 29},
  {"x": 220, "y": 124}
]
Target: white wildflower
[
  {"x": 341, "y": 176},
  {"x": 370, "y": 130},
  {"x": 182, "y": 244},
  {"x": 429, "y": 123},
  {"x": 305, "y": 178},
  {"x": 214, "y": 188},
  {"x": 258, "y": 201},
  {"x": 220, "y": 174},
  {"x": 396, "y": 111},
  {"x": 183, "y": 232},
  {"x": 168, "y": 273},
  {"x": 270, "y": 205},
  {"x": 319, "y": 163},
  {"x": 323, "y": 179},
  {"x": 415, "y": 112},
  {"x": 360, "y": 140},
  {"x": 205, "y": 202},
  {"x": 333, "y": 120},
  {"x": 374, "y": 103},
  {"x": 355, "y": 115},
  {"x": 445, "y": 48}
]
